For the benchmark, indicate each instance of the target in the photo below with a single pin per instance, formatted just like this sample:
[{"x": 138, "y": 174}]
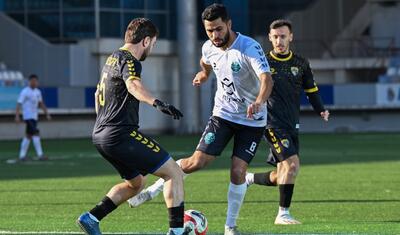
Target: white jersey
[
  {"x": 237, "y": 70},
  {"x": 29, "y": 99}
]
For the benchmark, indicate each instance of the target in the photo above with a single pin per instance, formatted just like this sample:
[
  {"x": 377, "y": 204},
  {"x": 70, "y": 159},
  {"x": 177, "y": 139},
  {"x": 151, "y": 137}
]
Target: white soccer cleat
[
  {"x": 139, "y": 199},
  {"x": 286, "y": 219},
  {"x": 249, "y": 179},
  {"x": 231, "y": 230}
]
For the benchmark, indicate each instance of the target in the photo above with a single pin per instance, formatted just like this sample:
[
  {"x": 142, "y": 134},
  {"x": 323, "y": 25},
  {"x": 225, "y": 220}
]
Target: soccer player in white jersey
[
  {"x": 29, "y": 100},
  {"x": 244, "y": 84}
]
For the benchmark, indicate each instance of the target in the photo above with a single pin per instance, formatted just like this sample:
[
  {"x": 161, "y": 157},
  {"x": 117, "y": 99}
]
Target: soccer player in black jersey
[
  {"x": 116, "y": 134},
  {"x": 291, "y": 74}
]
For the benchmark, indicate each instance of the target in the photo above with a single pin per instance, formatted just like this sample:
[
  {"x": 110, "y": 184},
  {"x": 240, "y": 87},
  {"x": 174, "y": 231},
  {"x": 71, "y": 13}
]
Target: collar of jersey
[
  {"x": 234, "y": 42},
  {"x": 282, "y": 59}
]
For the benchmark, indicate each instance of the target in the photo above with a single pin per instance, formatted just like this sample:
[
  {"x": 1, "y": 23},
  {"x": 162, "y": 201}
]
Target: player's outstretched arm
[{"x": 136, "y": 88}]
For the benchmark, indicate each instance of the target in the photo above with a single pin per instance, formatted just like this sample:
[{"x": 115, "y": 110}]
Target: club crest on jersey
[
  {"x": 285, "y": 143},
  {"x": 235, "y": 66},
  {"x": 209, "y": 138},
  {"x": 294, "y": 70}
]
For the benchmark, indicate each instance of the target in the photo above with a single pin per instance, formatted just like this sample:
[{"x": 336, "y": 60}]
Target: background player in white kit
[
  {"x": 29, "y": 100},
  {"x": 244, "y": 84}
]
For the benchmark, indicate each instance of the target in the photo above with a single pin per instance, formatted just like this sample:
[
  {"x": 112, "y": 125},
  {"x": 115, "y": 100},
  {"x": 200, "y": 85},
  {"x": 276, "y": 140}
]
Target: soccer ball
[{"x": 196, "y": 221}]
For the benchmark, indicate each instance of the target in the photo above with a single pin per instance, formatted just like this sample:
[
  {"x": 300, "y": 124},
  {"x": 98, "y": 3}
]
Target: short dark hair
[
  {"x": 214, "y": 12},
  {"x": 279, "y": 23},
  {"x": 32, "y": 76},
  {"x": 138, "y": 29}
]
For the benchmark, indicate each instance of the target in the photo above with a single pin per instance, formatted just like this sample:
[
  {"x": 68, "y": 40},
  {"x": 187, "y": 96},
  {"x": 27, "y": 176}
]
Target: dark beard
[
  {"x": 145, "y": 54},
  {"x": 143, "y": 57},
  {"x": 224, "y": 41}
]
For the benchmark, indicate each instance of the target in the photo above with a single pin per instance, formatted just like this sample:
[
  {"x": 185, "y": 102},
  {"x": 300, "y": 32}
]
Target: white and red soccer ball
[{"x": 197, "y": 221}]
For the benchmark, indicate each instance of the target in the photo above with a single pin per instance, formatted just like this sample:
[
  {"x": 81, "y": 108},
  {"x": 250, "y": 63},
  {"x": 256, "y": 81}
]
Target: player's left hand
[
  {"x": 252, "y": 109},
  {"x": 48, "y": 117},
  {"x": 325, "y": 115}
]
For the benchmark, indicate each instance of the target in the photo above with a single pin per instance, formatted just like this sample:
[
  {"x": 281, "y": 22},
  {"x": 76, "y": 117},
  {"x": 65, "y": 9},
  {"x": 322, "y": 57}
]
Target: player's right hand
[
  {"x": 167, "y": 109},
  {"x": 200, "y": 78},
  {"x": 325, "y": 115},
  {"x": 17, "y": 119},
  {"x": 252, "y": 109}
]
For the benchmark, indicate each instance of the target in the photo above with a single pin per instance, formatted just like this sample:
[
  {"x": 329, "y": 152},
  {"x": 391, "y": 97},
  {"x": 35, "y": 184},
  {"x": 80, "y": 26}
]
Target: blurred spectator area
[{"x": 353, "y": 48}]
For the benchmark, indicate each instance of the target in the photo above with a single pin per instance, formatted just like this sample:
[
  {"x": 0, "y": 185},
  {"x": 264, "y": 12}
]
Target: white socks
[
  {"x": 24, "y": 147},
  {"x": 158, "y": 186},
  {"x": 236, "y": 195},
  {"x": 38, "y": 146}
]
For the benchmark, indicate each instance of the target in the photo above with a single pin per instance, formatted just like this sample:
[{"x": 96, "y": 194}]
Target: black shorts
[
  {"x": 219, "y": 132},
  {"x": 283, "y": 144},
  {"x": 31, "y": 127},
  {"x": 134, "y": 154}
]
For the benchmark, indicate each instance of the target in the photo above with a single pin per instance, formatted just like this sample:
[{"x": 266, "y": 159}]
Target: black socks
[
  {"x": 175, "y": 215},
  {"x": 103, "y": 208},
  {"x": 286, "y": 192},
  {"x": 263, "y": 179}
]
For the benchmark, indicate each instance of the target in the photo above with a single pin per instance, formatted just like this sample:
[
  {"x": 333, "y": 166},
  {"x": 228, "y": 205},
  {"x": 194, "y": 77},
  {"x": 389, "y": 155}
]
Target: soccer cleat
[
  {"x": 88, "y": 225},
  {"x": 231, "y": 230},
  {"x": 249, "y": 179},
  {"x": 186, "y": 231},
  {"x": 139, "y": 199},
  {"x": 286, "y": 219},
  {"x": 23, "y": 159}
]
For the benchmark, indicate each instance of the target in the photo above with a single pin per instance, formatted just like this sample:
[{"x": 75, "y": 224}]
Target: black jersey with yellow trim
[
  {"x": 291, "y": 74},
  {"x": 118, "y": 110}
]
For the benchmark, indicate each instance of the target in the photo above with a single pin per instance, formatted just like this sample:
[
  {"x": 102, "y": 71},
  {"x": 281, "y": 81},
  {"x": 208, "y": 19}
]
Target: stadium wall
[{"x": 377, "y": 109}]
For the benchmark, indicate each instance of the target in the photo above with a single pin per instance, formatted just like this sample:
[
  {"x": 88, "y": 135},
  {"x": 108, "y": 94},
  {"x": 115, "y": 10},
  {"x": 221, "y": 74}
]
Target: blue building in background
[{"x": 61, "y": 21}]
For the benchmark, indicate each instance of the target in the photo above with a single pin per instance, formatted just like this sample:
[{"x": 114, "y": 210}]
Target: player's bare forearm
[
  {"x": 136, "y": 88},
  {"x": 18, "y": 109},
  {"x": 203, "y": 75},
  {"x": 205, "y": 67},
  {"x": 43, "y": 107},
  {"x": 18, "y": 112},
  {"x": 266, "y": 84}
]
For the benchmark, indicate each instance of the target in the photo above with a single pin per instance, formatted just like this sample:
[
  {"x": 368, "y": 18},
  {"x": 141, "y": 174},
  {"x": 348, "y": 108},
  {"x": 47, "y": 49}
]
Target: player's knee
[
  {"x": 293, "y": 169},
  {"x": 136, "y": 184},
  {"x": 238, "y": 174}
]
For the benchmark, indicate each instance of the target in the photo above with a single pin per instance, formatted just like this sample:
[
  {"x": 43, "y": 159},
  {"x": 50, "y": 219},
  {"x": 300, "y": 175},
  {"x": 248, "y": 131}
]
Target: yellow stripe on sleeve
[
  {"x": 311, "y": 90},
  {"x": 134, "y": 78}
]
